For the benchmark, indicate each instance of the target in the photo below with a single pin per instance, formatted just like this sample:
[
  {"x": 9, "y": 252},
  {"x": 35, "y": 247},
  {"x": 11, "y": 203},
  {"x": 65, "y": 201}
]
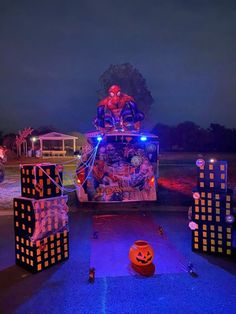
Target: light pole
[{"x": 33, "y": 140}]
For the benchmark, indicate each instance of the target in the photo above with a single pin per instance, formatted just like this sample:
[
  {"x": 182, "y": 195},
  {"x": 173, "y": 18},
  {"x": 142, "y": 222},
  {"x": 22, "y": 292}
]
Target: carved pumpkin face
[{"x": 141, "y": 253}]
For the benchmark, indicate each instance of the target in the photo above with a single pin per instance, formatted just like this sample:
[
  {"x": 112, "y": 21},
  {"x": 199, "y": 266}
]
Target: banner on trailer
[{"x": 123, "y": 172}]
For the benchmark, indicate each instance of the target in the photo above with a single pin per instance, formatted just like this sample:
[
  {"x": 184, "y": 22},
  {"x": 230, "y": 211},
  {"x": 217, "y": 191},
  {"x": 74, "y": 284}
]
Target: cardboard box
[
  {"x": 212, "y": 176},
  {"x": 37, "y": 219},
  {"x": 212, "y": 238},
  {"x": 39, "y": 255},
  {"x": 41, "y": 180}
]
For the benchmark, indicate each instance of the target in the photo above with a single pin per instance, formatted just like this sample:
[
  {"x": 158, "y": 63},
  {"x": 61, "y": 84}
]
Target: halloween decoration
[
  {"x": 120, "y": 170},
  {"x": 91, "y": 275},
  {"x": 40, "y": 220},
  {"x": 141, "y": 256},
  {"x": 141, "y": 253},
  {"x": 192, "y": 225},
  {"x": 136, "y": 161},
  {"x": 190, "y": 270},
  {"x": 211, "y": 219},
  {"x": 229, "y": 219},
  {"x": 21, "y": 141},
  {"x": 122, "y": 164},
  {"x": 41, "y": 180},
  {"x": 118, "y": 111},
  {"x": 196, "y": 195},
  {"x": 200, "y": 163},
  {"x": 161, "y": 230}
]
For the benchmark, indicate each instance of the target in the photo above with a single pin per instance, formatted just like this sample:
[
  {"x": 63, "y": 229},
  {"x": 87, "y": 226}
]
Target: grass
[{"x": 177, "y": 175}]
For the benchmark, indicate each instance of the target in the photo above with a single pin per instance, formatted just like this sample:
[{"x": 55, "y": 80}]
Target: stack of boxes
[
  {"x": 212, "y": 209},
  {"x": 40, "y": 218}
]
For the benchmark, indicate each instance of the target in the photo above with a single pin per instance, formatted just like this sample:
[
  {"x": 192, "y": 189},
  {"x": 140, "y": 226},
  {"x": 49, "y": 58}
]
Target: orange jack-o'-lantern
[{"x": 141, "y": 253}]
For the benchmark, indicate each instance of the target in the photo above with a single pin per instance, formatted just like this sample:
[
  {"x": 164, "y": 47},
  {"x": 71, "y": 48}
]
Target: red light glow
[{"x": 152, "y": 181}]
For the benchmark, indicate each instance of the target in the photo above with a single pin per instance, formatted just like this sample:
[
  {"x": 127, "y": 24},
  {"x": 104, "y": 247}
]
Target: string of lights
[
  {"x": 91, "y": 168},
  {"x": 88, "y": 165}
]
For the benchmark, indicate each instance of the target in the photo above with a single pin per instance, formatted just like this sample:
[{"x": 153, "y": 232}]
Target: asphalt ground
[{"x": 64, "y": 288}]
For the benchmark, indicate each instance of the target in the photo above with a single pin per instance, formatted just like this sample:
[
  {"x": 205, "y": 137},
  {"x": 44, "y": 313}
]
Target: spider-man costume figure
[
  {"x": 118, "y": 111},
  {"x": 116, "y": 99}
]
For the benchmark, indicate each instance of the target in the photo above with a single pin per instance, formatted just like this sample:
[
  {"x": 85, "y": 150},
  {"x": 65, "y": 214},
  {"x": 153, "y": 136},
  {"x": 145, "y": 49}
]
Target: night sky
[{"x": 53, "y": 52}]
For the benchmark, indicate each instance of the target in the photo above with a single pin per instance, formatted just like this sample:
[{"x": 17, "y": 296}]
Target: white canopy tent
[{"x": 54, "y": 136}]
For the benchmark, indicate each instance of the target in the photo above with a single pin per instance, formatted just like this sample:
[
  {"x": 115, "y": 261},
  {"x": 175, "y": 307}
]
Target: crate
[
  {"x": 37, "y": 180},
  {"x": 212, "y": 238},
  {"x": 38, "y": 218},
  {"x": 41, "y": 254}
]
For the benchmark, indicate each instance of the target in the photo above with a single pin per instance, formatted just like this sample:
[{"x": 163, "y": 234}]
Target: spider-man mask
[{"x": 114, "y": 91}]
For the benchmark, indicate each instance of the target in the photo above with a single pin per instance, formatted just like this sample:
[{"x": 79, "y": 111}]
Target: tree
[
  {"x": 187, "y": 135},
  {"x": 131, "y": 82},
  {"x": 165, "y": 134},
  {"x": 44, "y": 130},
  {"x": 1, "y": 137},
  {"x": 81, "y": 138},
  {"x": 9, "y": 140},
  {"x": 222, "y": 138}
]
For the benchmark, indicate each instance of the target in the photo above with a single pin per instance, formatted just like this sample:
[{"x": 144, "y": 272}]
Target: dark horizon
[{"x": 52, "y": 55}]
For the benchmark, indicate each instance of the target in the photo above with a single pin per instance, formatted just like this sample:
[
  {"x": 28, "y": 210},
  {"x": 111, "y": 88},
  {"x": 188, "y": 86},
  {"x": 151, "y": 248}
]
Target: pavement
[{"x": 64, "y": 288}]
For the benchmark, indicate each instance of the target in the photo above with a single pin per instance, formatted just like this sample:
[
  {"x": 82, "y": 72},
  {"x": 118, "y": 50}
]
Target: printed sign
[{"x": 122, "y": 172}]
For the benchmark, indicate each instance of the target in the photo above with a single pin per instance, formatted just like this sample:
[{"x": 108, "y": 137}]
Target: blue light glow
[
  {"x": 99, "y": 138},
  {"x": 143, "y": 138}
]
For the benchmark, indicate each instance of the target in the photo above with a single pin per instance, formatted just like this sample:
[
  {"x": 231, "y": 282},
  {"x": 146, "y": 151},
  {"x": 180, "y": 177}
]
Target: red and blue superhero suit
[
  {"x": 116, "y": 100},
  {"x": 117, "y": 110}
]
